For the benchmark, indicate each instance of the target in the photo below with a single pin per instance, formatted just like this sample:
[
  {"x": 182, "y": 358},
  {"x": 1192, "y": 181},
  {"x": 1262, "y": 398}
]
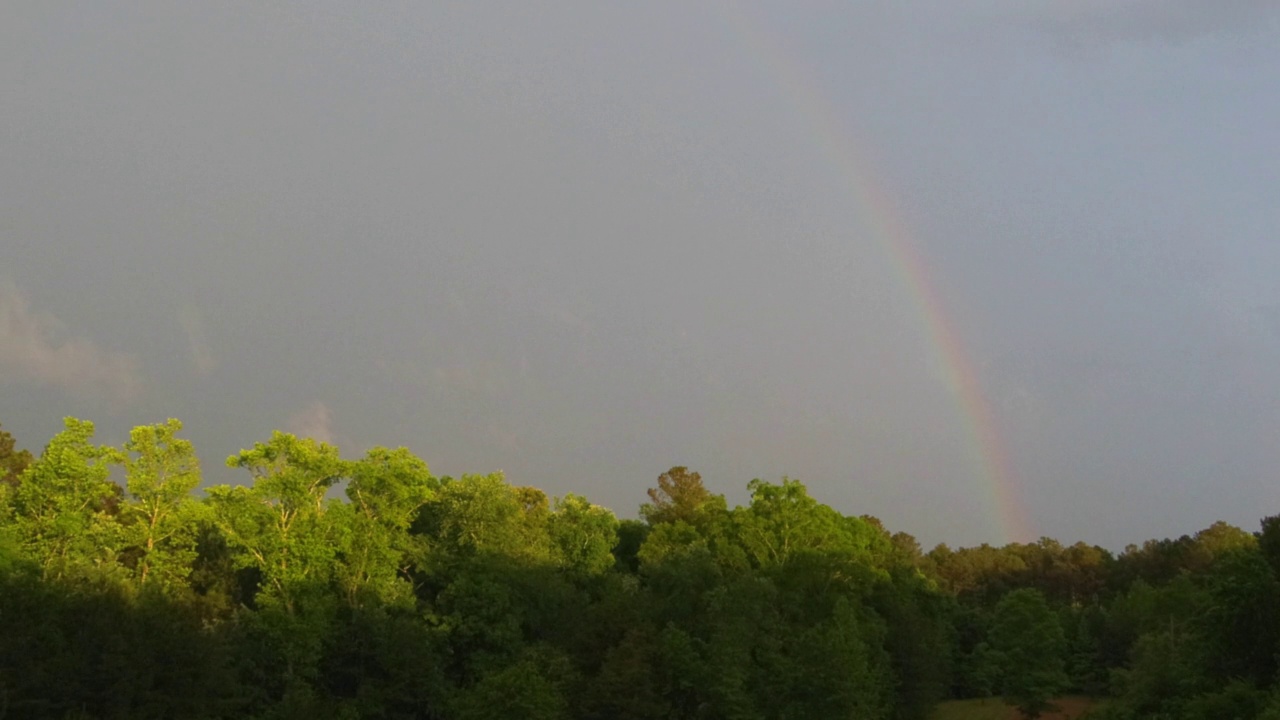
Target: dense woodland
[{"x": 325, "y": 587}]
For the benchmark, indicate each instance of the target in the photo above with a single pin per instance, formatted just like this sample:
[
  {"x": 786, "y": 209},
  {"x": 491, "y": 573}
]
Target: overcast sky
[{"x": 584, "y": 242}]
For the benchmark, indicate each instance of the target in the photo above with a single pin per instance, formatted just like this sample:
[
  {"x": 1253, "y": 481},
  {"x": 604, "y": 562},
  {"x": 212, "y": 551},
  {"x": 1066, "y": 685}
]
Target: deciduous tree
[
  {"x": 61, "y": 506},
  {"x": 159, "y": 521},
  {"x": 1032, "y": 647}
]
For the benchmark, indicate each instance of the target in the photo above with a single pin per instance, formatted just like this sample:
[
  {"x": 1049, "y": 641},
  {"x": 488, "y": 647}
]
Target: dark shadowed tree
[
  {"x": 1241, "y": 624},
  {"x": 1269, "y": 542},
  {"x": 12, "y": 460},
  {"x": 1029, "y": 638}
]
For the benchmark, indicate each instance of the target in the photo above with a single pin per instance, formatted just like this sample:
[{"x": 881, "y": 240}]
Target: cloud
[
  {"x": 1093, "y": 21},
  {"x": 197, "y": 340},
  {"x": 314, "y": 421},
  {"x": 486, "y": 379},
  {"x": 1266, "y": 319},
  {"x": 35, "y": 347}
]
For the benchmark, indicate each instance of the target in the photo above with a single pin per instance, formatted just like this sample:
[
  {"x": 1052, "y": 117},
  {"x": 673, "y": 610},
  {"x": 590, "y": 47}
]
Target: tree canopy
[{"x": 324, "y": 586}]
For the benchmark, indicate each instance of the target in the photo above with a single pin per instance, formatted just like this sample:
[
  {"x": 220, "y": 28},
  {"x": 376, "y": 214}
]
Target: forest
[{"x": 328, "y": 587}]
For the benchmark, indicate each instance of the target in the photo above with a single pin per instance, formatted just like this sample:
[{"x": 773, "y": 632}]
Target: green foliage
[
  {"x": 629, "y": 684},
  {"x": 12, "y": 460},
  {"x": 583, "y": 535},
  {"x": 97, "y": 652},
  {"x": 518, "y": 691},
  {"x": 159, "y": 522},
  {"x": 61, "y": 511},
  {"x": 975, "y": 709},
  {"x": 281, "y": 526},
  {"x": 983, "y": 570},
  {"x": 1241, "y": 622},
  {"x": 983, "y": 670},
  {"x": 1166, "y": 668},
  {"x": 670, "y": 542},
  {"x": 1237, "y": 700},
  {"x": 387, "y": 490},
  {"x": 482, "y": 514},
  {"x": 1031, "y": 646},
  {"x": 1269, "y": 541},
  {"x": 1085, "y": 664},
  {"x": 679, "y": 497},
  {"x": 125, "y": 595},
  {"x": 835, "y": 668},
  {"x": 783, "y": 522},
  {"x": 626, "y": 552},
  {"x": 918, "y": 642},
  {"x": 1271, "y": 710},
  {"x": 385, "y": 663}
]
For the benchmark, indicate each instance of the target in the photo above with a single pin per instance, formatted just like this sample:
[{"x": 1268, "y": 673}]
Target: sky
[{"x": 584, "y": 242}]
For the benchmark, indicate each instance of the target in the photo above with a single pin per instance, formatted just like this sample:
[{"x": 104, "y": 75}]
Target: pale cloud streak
[
  {"x": 35, "y": 347},
  {"x": 197, "y": 340},
  {"x": 314, "y": 421}
]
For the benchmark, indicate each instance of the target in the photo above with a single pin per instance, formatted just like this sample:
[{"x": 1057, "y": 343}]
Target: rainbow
[{"x": 991, "y": 455}]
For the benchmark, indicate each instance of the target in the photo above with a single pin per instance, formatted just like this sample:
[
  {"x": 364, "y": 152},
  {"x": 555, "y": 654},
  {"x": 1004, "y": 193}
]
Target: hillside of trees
[{"x": 327, "y": 587}]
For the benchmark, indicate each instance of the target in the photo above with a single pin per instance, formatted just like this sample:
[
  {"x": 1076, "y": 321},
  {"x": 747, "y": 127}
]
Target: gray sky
[{"x": 583, "y": 242}]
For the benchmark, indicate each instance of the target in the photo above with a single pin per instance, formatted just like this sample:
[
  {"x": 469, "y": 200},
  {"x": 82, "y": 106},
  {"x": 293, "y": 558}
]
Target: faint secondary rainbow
[{"x": 884, "y": 221}]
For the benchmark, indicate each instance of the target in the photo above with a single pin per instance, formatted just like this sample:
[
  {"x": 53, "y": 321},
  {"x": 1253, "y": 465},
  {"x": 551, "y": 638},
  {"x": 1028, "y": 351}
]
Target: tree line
[{"x": 327, "y": 587}]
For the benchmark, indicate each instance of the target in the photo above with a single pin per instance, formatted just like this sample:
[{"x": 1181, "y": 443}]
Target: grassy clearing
[{"x": 1069, "y": 708}]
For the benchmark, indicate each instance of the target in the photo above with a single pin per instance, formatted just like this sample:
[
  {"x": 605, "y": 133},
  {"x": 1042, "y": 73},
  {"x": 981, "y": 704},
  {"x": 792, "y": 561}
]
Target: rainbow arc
[{"x": 884, "y": 221}]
